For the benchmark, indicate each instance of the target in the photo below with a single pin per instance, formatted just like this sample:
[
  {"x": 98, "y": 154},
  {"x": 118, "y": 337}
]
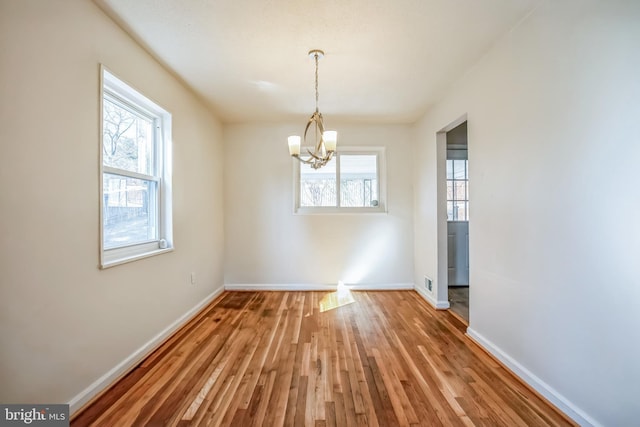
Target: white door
[{"x": 458, "y": 247}]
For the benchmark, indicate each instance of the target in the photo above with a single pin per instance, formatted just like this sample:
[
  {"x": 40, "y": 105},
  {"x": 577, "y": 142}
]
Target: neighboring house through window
[{"x": 135, "y": 168}]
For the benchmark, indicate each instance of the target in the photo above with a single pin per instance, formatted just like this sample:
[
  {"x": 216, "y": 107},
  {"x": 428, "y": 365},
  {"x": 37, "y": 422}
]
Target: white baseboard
[
  {"x": 438, "y": 305},
  {"x": 536, "y": 383},
  {"x": 132, "y": 360},
  {"x": 312, "y": 287}
]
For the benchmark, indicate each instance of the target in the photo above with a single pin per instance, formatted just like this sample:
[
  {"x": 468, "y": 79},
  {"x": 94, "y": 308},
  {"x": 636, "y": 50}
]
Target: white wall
[
  {"x": 63, "y": 322},
  {"x": 265, "y": 243},
  {"x": 554, "y": 235}
]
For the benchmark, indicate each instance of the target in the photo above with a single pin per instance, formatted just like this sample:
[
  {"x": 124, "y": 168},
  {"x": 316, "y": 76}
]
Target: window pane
[
  {"x": 460, "y": 169},
  {"x": 450, "y": 211},
  {"x": 449, "y": 190},
  {"x": 358, "y": 180},
  {"x": 460, "y": 187},
  {"x": 129, "y": 212},
  {"x": 318, "y": 186},
  {"x": 460, "y": 211},
  {"x": 128, "y": 139},
  {"x": 449, "y": 169}
]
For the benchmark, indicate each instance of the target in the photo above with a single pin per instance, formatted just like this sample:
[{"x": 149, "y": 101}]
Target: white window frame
[
  {"x": 380, "y": 154},
  {"x": 453, "y": 157},
  {"x": 113, "y": 87}
]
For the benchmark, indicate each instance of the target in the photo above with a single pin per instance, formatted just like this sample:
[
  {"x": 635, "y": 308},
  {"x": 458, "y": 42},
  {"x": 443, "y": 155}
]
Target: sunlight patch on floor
[{"x": 336, "y": 299}]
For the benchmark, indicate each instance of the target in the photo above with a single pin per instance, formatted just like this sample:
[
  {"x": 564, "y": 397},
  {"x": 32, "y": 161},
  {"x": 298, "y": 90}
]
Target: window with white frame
[
  {"x": 135, "y": 167},
  {"x": 353, "y": 181},
  {"x": 457, "y": 190}
]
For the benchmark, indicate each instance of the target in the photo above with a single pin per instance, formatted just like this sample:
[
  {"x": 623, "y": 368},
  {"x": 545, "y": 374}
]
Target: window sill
[
  {"x": 340, "y": 211},
  {"x": 125, "y": 259}
]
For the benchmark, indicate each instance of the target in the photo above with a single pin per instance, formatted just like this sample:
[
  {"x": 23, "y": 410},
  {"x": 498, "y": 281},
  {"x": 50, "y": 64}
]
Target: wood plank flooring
[{"x": 320, "y": 359}]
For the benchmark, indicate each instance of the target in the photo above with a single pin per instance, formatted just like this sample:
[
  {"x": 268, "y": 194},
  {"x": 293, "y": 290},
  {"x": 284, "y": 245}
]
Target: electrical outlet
[{"x": 193, "y": 278}]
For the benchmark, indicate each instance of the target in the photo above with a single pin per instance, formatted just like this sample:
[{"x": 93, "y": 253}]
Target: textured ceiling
[{"x": 386, "y": 60}]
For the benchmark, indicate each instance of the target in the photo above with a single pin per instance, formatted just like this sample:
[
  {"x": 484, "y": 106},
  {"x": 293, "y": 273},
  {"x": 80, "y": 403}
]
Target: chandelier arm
[
  {"x": 314, "y": 160},
  {"x": 307, "y": 161},
  {"x": 330, "y": 156},
  {"x": 306, "y": 129},
  {"x": 315, "y": 156},
  {"x": 317, "y": 119},
  {"x": 320, "y": 127}
]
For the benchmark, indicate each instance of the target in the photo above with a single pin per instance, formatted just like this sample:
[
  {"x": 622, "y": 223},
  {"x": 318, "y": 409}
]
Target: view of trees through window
[
  {"x": 318, "y": 186},
  {"x": 129, "y": 199},
  {"x": 358, "y": 184}
]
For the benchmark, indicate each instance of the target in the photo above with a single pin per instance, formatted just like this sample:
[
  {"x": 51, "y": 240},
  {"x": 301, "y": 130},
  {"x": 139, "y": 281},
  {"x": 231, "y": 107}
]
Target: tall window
[
  {"x": 457, "y": 190},
  {"x": 352, "y": 181},
  {"x": 135, "y": 166}
]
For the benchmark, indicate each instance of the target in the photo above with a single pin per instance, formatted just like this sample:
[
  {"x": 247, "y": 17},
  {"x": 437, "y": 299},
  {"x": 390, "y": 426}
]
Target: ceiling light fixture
[{"x": 325, "y": 141}]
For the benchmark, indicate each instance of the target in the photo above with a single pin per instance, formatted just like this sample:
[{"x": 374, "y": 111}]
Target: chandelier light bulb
[
  {"x": 294, "y": 145},
  {"x": 330, "y": 138}
]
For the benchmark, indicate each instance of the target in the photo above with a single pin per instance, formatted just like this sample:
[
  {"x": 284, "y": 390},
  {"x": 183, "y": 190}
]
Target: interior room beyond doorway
[{"x": 458, "y": 220}]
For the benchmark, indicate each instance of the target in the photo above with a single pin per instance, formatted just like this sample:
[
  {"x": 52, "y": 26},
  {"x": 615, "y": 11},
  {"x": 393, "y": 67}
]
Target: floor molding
[
  {"x": 441, "y": 305},
  {"x": 87, "y": 395},
  {"x": 533, "y": 381},
  {"x": 314, "y": 287}
]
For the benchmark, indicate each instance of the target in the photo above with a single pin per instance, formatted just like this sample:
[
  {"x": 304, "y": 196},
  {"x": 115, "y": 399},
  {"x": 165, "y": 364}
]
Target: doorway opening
[{"x": 456, "y": 250}]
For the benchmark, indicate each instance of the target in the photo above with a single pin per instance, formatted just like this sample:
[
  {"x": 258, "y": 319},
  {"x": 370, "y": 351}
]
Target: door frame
[{"x": 442, "y": 288}]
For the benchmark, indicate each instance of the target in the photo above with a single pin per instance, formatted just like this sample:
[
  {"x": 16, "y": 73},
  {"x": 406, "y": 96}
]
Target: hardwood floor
[{"x": 320, "y": 359}]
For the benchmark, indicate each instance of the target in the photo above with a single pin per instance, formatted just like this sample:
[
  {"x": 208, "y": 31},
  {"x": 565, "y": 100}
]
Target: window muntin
[
  {"x": 351, "y": 182},
  {"x": 135, "y": 168},
  {"x": 457, "y": 190}
]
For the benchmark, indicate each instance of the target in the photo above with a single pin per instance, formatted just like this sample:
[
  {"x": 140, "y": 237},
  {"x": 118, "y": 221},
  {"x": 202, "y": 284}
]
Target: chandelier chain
[{"x": 316, "y": 57}]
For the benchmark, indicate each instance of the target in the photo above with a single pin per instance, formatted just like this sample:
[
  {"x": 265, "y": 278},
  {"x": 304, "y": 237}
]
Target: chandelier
[{"x": 324, "y": 140}]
